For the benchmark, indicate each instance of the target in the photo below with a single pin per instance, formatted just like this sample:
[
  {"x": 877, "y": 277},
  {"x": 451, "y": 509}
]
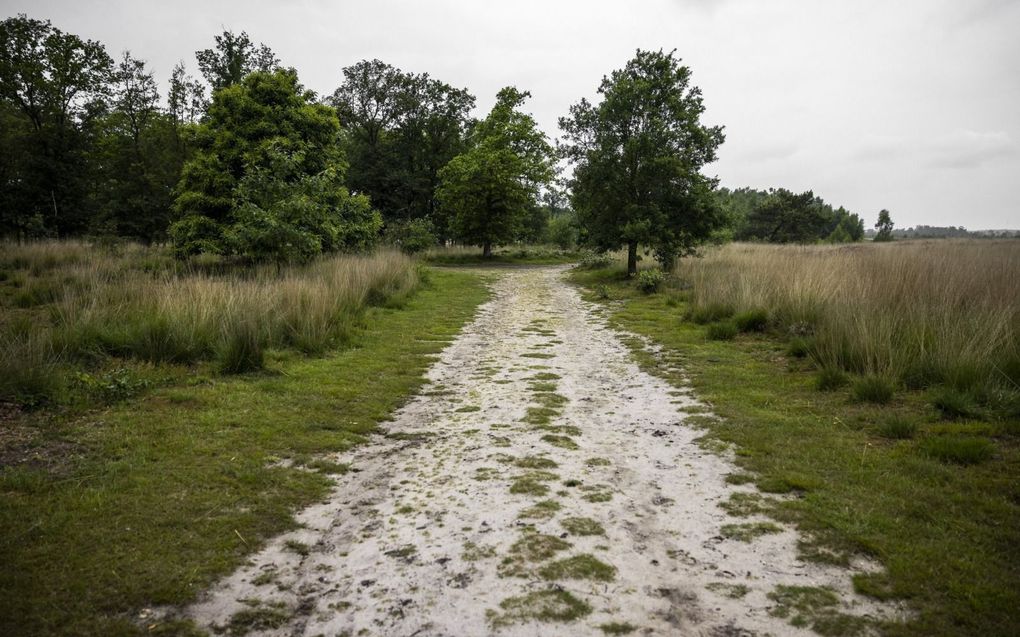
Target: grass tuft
[
  {"x": 958, "y": 449},
  {"x": 873, "y": 389}
]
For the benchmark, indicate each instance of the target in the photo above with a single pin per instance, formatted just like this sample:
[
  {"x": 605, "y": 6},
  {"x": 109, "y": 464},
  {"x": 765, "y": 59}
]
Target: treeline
[
  {"x": 950, "y": 232},
  {"x": 781, "y": 216},
  {"x": 247, "y": 161}
]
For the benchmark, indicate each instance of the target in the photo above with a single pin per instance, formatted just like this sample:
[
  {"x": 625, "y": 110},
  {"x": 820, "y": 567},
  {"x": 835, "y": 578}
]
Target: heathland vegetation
[{"x": 877, "y": 386}]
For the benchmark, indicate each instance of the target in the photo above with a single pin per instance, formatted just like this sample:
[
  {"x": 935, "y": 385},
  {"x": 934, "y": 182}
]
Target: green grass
[
  {"x": 946, "y": 531},
  {"x": 154, "y": 498}
]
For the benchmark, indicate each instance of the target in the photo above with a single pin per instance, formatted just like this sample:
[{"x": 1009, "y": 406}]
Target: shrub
[
  {"x": 752, "y": 320},
  {"x": 711, "y": 312},
  {"x": 962, "y": 450},
  {"x": 29, "y": 372},
  {"x": 722, "y": 331},
  {"x": 873, "y": 389},
  {"x": 897, "y": 428},
  {"x": 649, "y": 281},
  {"x": 591, "y": 260},
  {"x": 953, "y": 403},
  {"x": 412, "y": 237}
]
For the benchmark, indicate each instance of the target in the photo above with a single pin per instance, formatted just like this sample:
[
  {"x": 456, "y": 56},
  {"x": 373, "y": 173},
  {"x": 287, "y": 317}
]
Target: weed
[
  {"x": 617, "y": 628},
  {"x": 753, "y": 320},
  {"x": 733, "y": 591},
  {"x": 553, "y": 605},
  {"x": 830, "y": 379},
  {"x": 723, "y": 331},
  {"x": 564, "y": 442},
  {"x": 711, "y": 312},
  {"x": 535, "y": 462},
  {"x": 583, "y": 566},
  {"x": 649, "y": 281},
  {"x": 749, "y": 531},
  {"x": 896, "y": 428},
  {"x": 541, "y": 510},
  {"x": 953, "y": 403},
  {"x": 582, "y": 526},
  {"x": 873, "y": 388}
]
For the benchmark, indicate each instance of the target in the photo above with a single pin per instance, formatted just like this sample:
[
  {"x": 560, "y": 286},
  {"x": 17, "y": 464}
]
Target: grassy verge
[
  {"x": 148, "y": 502},
  {"x": 935, "y": 499}
]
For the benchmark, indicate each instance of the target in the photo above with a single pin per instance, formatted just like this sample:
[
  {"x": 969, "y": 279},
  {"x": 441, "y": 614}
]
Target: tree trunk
[
  {"x": 487, "y": 250},
  {"x": 632, "y": 258}
]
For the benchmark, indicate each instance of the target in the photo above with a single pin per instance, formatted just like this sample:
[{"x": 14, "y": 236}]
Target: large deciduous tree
[
  {"x": 401, "y": 128},
  {"x": 488, "y": 191},
  {"x": 786, "y": 217},
  {"x": 266, "y": 177},
  {"x": 638, "y": 156},
  {"x": 233, "y": 58},
  {"x": 53, "y": 87}
]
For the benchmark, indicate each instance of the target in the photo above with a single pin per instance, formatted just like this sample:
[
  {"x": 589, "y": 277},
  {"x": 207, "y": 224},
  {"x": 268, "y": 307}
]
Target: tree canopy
[
  {"x": 488, "y": 191},
  {"x": 268, "y": 156},
  {"x": 638, "y": 154}
]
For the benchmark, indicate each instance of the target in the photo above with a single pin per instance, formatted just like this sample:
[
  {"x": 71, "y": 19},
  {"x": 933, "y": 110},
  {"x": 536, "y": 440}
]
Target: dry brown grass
[
  {"x": 923, "y": 312},
  {"x": 69, "y": 302}
]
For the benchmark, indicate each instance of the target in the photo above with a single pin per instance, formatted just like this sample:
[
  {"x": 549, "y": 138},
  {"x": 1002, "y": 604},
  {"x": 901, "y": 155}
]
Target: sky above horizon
[{"x": 913, "y": 106}]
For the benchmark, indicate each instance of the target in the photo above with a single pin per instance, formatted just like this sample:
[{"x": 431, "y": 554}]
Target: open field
[{"x": 922, "y": 476}]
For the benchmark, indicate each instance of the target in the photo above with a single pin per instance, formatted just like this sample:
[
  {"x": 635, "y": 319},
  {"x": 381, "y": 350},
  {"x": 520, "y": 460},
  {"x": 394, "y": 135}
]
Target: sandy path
[{"x": 541, "y": 484}]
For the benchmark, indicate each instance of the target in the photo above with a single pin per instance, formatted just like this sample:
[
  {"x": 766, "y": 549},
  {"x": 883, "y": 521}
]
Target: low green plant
[
  {"x": 241, "y": 350},
  {"x": 722, "y": 331},
  {"x": 798, "y": 347},
  {"x": 591, "y": 260},
  {"x": 963, "y": 450},
  {"x": 873, "y": 388},
  {"x": 897, "y": 428},
  {"x": 649, "y": 281},
  {"x": 710, "y": 312},
  {"x": 953, "y": 403},
  {"x": 830, "y": 379},
  {"x": 754, "y": 320}
]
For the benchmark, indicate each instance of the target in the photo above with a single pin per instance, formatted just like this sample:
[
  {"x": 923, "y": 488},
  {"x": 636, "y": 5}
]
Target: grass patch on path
[
  {"x": 173, "y": 490},
  {"x": 940, "y": 516}
]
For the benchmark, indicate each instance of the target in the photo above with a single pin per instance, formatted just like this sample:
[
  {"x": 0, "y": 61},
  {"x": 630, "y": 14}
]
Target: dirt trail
[{"x": 541, "y": 484}]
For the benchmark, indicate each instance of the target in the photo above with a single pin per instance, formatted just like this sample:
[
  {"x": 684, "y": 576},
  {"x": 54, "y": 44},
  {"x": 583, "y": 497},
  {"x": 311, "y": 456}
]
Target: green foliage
[
  {"x": 487, "y": 191},
  {"x": 592, "y": 260},
  {"x": 401, "y": 129},
  {"x": 722, "y": 331},
  {"x": 53, "y": 87},
  {"x": 412, "y": 237},
  {"x": 241, "y": 350},
  {"x": 884, "y": 226},
  {"x": 638, "y": 156},
  {"x": 954, "y": 403},
  {"x": 266, "y": 178},
  {"x": 711, "y": 312},
  {"x": 782, "y": 216},
  {"x": 964, "y": 450},
  {"x": 234, "y": 58},
  {"x": 798, "y": 347},
  {"x": 873, "y": 388},
  {"x": 896, "y": 428},
  {"x": 649, "y": 281},
  {"x": 830, "y": 378},
  {"x": 754, "y": 320}
]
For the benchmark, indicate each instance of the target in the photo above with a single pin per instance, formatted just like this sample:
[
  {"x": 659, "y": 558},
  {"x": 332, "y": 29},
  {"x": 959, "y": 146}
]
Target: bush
[
  {"x": 723, "y": 331},
  {"x": 752, "y": 320},
  {"x": 958, "y": 449},
  {"x": 873, "y": 389},
  {"x": 897, "y": 429},
  {"x": 591, "y": 260},
  {"x": 711, "y": 312},
  {"x": 649, "y": 281},
  {"x": 29, "y": 373},
  {"x": 953, "y": 403},
  {"x": 830, "y": 379}
]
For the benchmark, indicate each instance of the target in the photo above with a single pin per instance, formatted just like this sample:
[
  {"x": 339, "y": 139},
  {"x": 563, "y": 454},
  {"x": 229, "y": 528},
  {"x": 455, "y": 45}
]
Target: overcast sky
[{"x": 911, "y": 105}]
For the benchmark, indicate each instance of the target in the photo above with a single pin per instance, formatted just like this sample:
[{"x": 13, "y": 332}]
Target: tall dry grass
[
  {"x": 136, "y": 303},
  {"x": 921, "y": 312}
]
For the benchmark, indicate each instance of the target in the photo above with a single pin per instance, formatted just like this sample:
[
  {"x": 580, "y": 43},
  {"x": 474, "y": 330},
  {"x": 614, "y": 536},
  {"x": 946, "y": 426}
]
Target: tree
[
  {"x": 233, "y": 58},
  {"x": 785, "y": 217},
  {"x": 488, "y": 190},
  {"x": 401, "y": 129},
  {"x": 266, "y": 177},
  {"x": 884, "y": 226},
  {"x": 53, "y": 87},
  {"x": 139, "y": 158},
  {"x": 638, "y": 156}
]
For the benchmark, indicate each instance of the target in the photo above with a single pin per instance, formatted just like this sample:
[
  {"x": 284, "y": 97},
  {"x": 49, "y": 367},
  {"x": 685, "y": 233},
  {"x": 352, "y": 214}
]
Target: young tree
[
  {"x": 267, "y": 170},
  {"x": 884, "y": 225},
  {"x": 638, "y": 156},
  {"x": 233, "y": 58},
  {"x": 488, "y": 190},
  {"x": 53, "y": 86}
]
